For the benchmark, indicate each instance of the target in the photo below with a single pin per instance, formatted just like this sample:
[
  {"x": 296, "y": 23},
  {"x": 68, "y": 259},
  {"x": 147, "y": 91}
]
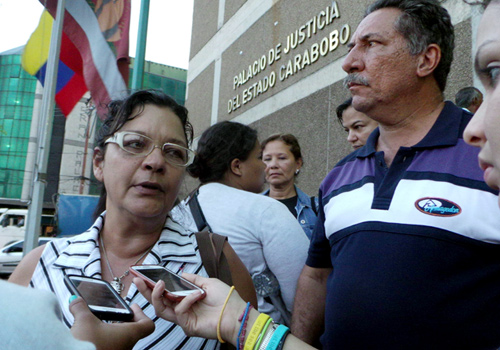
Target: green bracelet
[{"x": 261, "y": 335}]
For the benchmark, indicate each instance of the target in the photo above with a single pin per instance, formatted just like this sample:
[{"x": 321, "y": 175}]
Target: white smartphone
[
  {"x": 102, "y": 299},
  {"x": 175, "y": 286}
]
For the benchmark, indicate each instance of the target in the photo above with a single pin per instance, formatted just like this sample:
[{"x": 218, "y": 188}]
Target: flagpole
[
  {"x": 140, "y": 51},
  {"x": 43, "y": 145}
]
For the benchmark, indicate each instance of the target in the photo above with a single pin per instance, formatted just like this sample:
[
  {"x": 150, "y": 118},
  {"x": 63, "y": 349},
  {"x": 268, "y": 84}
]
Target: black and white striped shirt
[{"x": 176, "y": 249}]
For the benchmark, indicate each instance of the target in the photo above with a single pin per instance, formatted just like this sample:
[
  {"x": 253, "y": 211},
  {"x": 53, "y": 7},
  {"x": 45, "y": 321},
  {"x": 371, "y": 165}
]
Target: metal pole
[
  {"x": 46, "y": 120},
  {"x": 140, "y": 52}
]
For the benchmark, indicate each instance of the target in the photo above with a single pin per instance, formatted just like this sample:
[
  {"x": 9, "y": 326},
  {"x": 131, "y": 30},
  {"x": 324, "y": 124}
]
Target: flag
[
  {"x": 70, "y": 86},
  {"x": 99, "y": 30}
]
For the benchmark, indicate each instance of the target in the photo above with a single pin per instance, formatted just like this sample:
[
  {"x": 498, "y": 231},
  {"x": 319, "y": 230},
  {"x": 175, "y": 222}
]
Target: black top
[{"x": 291, "y": 203}]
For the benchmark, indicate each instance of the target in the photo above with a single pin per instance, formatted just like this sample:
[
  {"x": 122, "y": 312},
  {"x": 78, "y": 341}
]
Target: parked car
[
  {"x": 13, "y": 225},
  {"x": 11, "y": 255}
]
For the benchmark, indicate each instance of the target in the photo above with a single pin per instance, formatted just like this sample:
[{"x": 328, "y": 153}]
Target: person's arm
[
  {"x": 198, "y": 316},
  {"x": 109, "y": 336},
  {"x": 309, "y": 307},
  {"x": 24, "y": 271}
]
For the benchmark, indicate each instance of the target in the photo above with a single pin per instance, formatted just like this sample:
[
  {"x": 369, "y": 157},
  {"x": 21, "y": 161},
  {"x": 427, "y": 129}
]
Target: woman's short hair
[
  {"x": 218, "y": 146},
  {"x": 121, "y": 111},
  {"x": 289, "y": 140}
]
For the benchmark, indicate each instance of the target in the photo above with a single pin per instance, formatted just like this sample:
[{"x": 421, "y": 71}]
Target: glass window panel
[
  {"x": 13, "y": 84},
  {"x": 15, "y": 71},
  {"x": 9, "y": 112},
  {"x": 3, "y": 99}
]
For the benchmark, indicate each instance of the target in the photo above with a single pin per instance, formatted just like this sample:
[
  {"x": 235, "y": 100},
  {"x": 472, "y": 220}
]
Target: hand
[
  {"x": 198, "y": 314},
  {"x": 109, "y": 335}
]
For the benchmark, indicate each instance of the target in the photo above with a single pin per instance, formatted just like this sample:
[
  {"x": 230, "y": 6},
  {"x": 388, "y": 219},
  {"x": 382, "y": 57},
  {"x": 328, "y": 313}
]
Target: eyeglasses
[{"x": 142, "y": 146}]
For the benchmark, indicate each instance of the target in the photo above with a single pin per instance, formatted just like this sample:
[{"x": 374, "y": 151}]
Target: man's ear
[
  {"x": 98, "y": 163},
  {"x": 428, "y": 60},
  {"x": 236, "y": 167}
]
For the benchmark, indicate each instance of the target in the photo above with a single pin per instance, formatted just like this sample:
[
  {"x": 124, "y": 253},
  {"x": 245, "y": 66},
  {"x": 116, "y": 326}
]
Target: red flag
[{"x": 100, "y": 31}]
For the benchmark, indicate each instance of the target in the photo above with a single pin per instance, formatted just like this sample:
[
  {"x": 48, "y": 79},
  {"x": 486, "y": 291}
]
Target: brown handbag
[{"x": 214, "y": 260}]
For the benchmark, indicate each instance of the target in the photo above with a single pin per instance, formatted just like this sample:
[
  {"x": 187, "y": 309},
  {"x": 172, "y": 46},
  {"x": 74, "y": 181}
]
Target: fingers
[
  {"x": 78, "y": 307},
  {"x": 142, "y": 288},
  {"x": 198, "y": 280},
  {"x": 158, "y": 297},
  {"x": 185, "y": 305},
  {"x": 138, "y": 313},
  {"x": 144, "y": 326}
]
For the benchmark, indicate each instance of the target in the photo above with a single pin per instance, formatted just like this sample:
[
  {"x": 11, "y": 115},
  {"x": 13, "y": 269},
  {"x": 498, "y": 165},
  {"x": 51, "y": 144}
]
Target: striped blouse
[{"x": 176, "y": 249}]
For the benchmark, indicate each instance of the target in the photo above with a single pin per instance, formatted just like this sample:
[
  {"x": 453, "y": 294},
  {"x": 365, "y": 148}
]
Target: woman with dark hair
[
  {"x": 263, "y": 233},
  {"x": 283, "y": 158},
  {"x": 141, "y": 155}
]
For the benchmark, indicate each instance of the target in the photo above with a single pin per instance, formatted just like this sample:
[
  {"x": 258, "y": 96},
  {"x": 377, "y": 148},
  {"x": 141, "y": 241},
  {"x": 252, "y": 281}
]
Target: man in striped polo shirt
[{"x": 405, "y": 253}]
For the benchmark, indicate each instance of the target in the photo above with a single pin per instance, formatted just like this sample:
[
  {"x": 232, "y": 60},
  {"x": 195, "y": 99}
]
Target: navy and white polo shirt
[{"x": 414, "y": 248}]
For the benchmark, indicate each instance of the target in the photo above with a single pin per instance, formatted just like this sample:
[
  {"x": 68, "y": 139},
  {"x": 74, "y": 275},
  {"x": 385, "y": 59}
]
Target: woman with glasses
[{"x": 141, "y": 155}]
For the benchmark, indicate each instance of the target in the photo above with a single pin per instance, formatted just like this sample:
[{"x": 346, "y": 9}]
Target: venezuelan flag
[{"x": 70, "y": 85}]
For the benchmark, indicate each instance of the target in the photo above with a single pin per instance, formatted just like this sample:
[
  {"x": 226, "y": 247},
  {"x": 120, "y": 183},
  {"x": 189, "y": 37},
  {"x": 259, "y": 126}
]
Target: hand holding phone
[
  {"x": 102, "y": 299},
  {"x": 176, "y": 287}
]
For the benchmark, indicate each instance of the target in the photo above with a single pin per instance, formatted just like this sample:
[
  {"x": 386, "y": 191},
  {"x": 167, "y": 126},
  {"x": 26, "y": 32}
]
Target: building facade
[
  {"x": 16, "y": 99},
  {"x": 276, "y": 65}
]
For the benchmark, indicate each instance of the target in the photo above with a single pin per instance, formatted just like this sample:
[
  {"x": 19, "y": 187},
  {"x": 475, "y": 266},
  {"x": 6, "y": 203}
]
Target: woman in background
[
  {"x": 263, "y": 233},
  {"x": 283, "y": 158}
]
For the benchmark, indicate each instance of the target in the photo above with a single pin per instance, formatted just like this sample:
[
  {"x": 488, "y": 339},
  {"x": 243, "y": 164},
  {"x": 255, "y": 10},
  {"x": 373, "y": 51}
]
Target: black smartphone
[
  {"x": 102, "y": 299},
  {"x": 175, "y": 286}
]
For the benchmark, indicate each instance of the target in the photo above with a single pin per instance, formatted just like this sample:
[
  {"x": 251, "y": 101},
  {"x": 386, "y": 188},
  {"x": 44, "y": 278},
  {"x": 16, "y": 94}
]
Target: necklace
[{"x": 117, "y": 283}]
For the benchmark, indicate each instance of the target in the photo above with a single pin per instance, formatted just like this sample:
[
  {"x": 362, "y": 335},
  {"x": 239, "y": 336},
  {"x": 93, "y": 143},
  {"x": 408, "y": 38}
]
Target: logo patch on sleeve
[{"x": 437, "y": 207}]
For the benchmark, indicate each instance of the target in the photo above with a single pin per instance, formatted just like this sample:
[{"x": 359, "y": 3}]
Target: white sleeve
[
  {"x": 285, "y": 247},
  {"x": 31, "y": 320}
]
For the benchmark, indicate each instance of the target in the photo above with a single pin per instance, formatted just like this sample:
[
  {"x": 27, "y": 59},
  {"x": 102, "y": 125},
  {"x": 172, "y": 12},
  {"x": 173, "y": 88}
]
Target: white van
[{"x": 13, "y": 225}]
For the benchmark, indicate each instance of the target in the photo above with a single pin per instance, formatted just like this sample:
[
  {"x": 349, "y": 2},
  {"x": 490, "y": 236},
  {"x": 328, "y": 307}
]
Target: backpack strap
[
  {"x": 199, "y": 218},
  {"x": 210, "y": 246},
  {"x": 313, "y": 205}
]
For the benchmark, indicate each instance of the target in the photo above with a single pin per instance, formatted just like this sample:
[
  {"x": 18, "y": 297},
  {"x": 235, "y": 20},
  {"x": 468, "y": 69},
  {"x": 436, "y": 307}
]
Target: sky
[{"x": 169, "y": 28}]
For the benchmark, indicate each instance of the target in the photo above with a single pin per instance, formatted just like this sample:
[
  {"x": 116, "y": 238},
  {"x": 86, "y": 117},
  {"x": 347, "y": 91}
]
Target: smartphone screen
[
  {"x": 101, "y": 298},
  {"x": 173, "y": 283},
  {"x": 98, "y": 294},
  {"x": 175, "y": 286}
]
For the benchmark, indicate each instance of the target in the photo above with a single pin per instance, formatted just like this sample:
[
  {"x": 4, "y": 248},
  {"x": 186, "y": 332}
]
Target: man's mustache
[{"x": 354, "y": 78}]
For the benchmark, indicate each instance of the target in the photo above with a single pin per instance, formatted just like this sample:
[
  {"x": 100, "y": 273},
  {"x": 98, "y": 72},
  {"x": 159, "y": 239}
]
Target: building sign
[{"x": 290, "y": 54}]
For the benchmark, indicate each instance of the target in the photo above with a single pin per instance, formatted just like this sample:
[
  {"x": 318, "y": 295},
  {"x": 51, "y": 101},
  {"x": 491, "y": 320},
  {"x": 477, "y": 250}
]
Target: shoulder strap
[
  {"x": 199, "y": 218},
  {"x": 215, "y": 262},
  {"x": 207, "y": 253},
  {"x": 224, "y": 272},
  {"x": 313, "y": 205}
]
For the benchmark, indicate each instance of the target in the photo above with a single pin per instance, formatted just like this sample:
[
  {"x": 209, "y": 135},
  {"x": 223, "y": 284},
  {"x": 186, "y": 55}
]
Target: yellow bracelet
[
  {"x": 220, "y": 316},
  {"x": 257, "y": 327}
]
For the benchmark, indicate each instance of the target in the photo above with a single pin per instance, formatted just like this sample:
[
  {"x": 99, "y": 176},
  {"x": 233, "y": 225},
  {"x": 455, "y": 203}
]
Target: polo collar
[{"x": 445, "y": 132}]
